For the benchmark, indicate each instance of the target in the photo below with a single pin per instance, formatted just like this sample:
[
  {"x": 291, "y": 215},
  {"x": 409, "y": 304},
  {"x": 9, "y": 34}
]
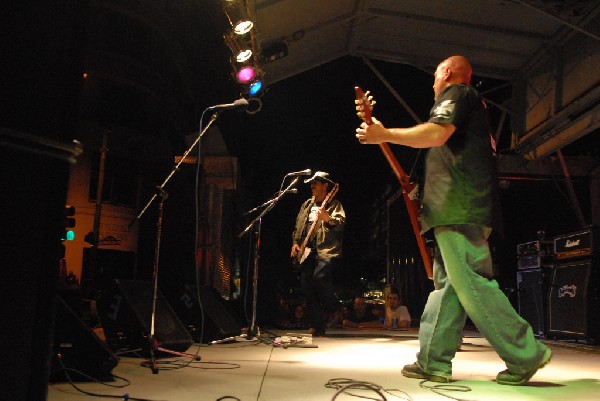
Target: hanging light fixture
[
  {"x": 239, "y": 47},
  {"x": 245, "y": 74},
  {"x": 236, "y": 13}
]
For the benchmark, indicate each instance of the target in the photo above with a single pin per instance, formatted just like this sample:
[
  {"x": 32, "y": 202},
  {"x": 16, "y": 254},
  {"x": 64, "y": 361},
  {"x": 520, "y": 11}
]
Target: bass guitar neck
[{"x": 364, "y": 107}]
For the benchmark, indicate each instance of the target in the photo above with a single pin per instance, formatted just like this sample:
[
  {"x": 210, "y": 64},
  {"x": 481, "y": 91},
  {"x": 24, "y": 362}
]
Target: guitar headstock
[{"x": 364, "y": 104}]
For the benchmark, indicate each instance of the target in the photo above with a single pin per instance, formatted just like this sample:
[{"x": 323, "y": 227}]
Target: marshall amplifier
[
  {"x": 537, "y": 248},
  {"x": 574, "y": 300},
  {"x": 576, "y": 245},
  {"x": 533, "y": 286},
  {"x": 534, "y": 254}
]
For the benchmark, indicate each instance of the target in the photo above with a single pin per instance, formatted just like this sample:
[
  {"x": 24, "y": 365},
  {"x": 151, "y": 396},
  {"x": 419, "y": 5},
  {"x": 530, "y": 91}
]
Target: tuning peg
[{"x": 356, "y": 101}]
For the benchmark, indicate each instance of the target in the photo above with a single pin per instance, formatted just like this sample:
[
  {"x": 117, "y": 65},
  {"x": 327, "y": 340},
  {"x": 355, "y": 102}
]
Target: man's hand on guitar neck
[
  {"x": 295, "y": 250},
  {"x": 323, "y": 215},
  {"x": 372, "y": 133}
]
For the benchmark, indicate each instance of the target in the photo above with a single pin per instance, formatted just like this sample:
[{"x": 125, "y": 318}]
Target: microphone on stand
[
  {"x": 297, "y": 173},
  {"x": 238, "y": 104}
]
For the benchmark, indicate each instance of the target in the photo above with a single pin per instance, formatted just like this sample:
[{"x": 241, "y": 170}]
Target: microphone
[
  {"x": 302, "y": 172},
  {"x": 238, "y": 104}
]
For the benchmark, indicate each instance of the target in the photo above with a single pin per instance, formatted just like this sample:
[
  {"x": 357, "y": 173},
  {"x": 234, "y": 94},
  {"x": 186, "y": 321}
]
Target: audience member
[
  {"x": 362, "y": 316},
  {"x": 298, "y": 320},
  {"x": 396, "y": 315}
]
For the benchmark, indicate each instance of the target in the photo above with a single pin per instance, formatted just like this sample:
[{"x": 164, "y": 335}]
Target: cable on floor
[
  {"x": 438, "y": 388},
  {"x": 125, "y": 396},
  {"x": 343, "y": 386}
]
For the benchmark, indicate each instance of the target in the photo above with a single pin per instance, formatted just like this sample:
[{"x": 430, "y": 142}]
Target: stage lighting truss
[
  {"x": 241, "y": 42},
  {"x": 238, "y": 17}
]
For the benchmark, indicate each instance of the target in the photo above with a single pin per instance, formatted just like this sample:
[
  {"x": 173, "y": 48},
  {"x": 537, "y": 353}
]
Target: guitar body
[
  {"x": 302, "y": 255},
  {"x": 364, "y": 107}
]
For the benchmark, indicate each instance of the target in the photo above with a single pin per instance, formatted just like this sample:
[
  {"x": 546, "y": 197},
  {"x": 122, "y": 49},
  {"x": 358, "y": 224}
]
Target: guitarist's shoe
[
  {"x": 414, "y": 371},
  {"x": 512, "y": 379}
]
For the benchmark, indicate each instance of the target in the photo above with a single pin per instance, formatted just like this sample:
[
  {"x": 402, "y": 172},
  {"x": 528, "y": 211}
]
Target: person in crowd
[
  {"x": 298, "y": 320},
  {"x": 458, "y": 208},
  {"x": 396, "y": 314},
  {"x": 362, "y": 316}
]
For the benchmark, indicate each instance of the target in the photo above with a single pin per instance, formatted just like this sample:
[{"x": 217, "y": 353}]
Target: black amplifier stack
[
  {"x": 534, "y": 261},
  {"x": 559, "y": 285},
  {"x": 574, "y": 296}
]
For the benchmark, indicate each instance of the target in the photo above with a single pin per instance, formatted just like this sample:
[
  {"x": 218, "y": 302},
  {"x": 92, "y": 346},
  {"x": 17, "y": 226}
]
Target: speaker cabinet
[
  {"x": 533, "y": 289},
  {"x": 78, "y": 348},
  {"x": 125, "y": 312},
  {"x": 574, "y": 300},
  {"x": 212, "y": 322}
]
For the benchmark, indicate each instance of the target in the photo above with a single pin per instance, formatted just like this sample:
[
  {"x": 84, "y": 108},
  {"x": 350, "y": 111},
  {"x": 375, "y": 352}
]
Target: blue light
[{"x": 255, "y": 88}]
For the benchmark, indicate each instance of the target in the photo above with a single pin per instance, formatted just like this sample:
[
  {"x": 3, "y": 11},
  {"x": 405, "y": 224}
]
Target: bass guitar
[
  {"x": 312, "y": 231},
  {"x": 364, "y": 108}
]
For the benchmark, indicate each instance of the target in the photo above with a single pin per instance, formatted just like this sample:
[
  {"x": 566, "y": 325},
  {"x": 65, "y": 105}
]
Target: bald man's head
[
  {"x": 461, "y": 69},
  {"x": 453, "y": 70}
]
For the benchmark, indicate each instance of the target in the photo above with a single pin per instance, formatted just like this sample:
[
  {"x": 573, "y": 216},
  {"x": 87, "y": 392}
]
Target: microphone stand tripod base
[{"x": 244, "y": 337}]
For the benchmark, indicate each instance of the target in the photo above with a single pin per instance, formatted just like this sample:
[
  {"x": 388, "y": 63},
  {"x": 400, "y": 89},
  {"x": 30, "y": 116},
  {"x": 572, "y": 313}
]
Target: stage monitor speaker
[
  {"x": 532, "y": 289},
  {"x": 573, "y": 300},
  {"x": 125, "y": 311},
  {"x": 218, "y": 321},
  {"x": 79, "y": 349}
]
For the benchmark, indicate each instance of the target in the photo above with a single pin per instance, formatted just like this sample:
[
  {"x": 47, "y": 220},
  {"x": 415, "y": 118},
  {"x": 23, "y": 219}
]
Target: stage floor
[{"x": 258, "y": 371}]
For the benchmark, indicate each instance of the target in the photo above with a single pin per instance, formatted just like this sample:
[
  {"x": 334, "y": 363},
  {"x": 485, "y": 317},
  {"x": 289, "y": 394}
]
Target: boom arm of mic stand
[
  {"x": 270, "y": 204},
  {"x": 175, "y": 169}
]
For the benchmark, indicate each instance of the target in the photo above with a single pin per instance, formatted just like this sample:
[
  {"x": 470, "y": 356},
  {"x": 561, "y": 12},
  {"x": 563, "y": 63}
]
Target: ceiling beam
[{"x": 461, "y": 24}]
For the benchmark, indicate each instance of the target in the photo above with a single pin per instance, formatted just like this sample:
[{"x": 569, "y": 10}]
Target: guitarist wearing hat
[{"x": 317, "y": 245}]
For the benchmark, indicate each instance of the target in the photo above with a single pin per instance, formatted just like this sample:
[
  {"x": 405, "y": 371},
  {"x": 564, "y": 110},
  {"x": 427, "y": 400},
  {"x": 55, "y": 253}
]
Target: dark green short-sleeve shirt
[{"x": 459, "y": 175}]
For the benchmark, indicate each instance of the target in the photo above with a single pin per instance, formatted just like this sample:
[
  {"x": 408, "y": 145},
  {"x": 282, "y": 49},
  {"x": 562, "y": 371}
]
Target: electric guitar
[
  {"x": 304, "y": 249},
  {"x": 364, "y": 108}
]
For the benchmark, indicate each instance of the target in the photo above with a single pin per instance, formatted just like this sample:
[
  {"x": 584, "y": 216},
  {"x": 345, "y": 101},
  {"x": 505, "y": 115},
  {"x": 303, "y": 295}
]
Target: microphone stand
[
  {"x": 160, "y": 192},
  {"x": 253, "y": 331}
]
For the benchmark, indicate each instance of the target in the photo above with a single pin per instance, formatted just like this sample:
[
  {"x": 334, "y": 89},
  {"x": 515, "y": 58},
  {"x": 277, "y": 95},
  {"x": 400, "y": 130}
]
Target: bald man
[{"x": 457, "y": 211}]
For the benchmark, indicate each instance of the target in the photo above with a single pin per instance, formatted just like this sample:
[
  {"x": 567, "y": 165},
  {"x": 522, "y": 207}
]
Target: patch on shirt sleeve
[{"x": 444, "y": 110}]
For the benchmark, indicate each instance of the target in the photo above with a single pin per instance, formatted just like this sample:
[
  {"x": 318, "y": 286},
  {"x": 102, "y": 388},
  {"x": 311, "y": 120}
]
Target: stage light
[
  {"x": 255, "y": 87},
  {"x": 236, "y": 13},
  {"x": 240, "y": 48},
  {"x": 245, "y": 74}
]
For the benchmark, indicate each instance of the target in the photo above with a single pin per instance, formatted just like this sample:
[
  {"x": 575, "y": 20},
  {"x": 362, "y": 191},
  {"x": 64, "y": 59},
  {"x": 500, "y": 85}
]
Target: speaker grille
[
  {"x": 533, "y": 291},
  {"x": 572, "y": 298}
]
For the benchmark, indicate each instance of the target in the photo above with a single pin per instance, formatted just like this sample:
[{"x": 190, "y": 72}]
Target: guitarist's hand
[
  {"x": 372, "y": 133},
  {"x": 323, "y": 215},
  {"x": 294, "y": 251}
]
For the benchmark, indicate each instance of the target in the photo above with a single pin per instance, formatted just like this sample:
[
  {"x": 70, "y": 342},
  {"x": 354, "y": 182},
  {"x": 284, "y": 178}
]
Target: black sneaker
[
  {"x": 415, "y": 372},
  {"x": 511, "y": 379}
]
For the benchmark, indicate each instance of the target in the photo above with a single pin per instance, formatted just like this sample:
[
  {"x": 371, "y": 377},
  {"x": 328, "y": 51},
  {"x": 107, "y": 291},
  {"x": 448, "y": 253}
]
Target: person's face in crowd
[
  {"x": 299, "y": 312},
  {"x": 360, "y": 305},
  {"x": 393, "y": 301}
]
